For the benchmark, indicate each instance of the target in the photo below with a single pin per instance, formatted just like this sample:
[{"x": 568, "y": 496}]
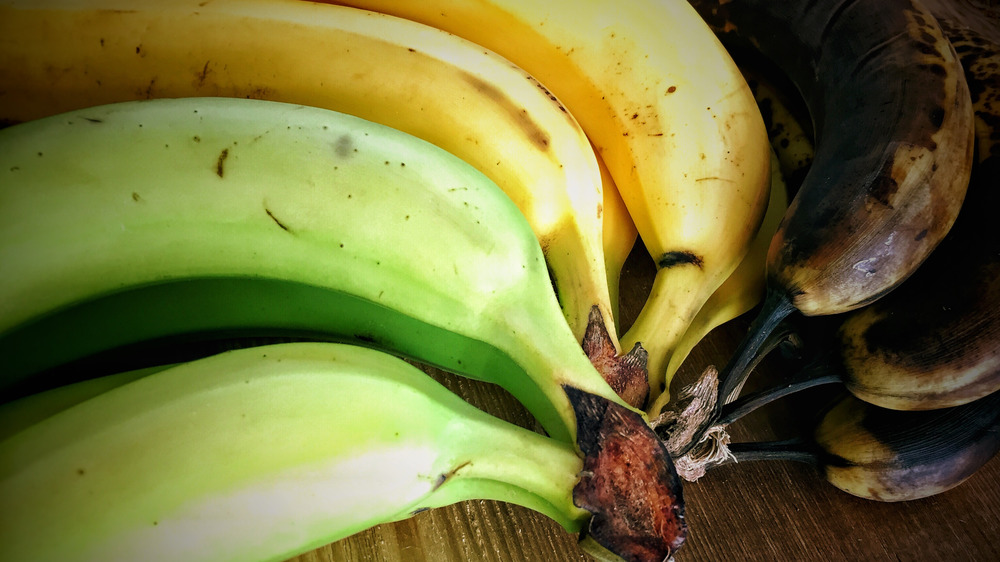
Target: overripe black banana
[
  {"x": 890, "y": 455},
  {"x": 892, "y": 163}
]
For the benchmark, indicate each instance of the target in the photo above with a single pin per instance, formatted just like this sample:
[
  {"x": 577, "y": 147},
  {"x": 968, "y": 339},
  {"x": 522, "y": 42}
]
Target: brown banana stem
[{"x": 794, "y": 449}]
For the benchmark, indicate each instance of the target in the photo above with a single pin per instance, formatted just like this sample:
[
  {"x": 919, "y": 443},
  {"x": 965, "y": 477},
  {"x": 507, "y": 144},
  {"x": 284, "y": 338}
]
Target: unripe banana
[
  {"x": 680, "y": 133},
  {"x": 261, "y": 454},
  {"x": 431, "y": 84},
  {"x": 182, "y": 217},
  {"x": 889, "y": 455},
  {"x": 885, "y": 186}
]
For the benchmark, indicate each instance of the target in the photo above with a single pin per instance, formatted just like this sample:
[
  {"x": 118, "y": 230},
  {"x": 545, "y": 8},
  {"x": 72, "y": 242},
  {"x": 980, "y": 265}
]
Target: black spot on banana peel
[
  {"x": 626, "y": 374},
  {"x": 628, "y": 482},
  {"x": 890, "y": 455},
  {"x": 893, "y": 123}
]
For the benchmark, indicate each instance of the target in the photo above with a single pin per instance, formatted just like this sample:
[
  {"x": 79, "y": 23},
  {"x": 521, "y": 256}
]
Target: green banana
[
  {"x": 884, "y": 187},
  {"x": 384, "y": 69},
  {"x": 175, "y": 220},
  {"x": 890, "y": 455},
  {"x": 156, "y": 219},
  {"x": 260, "y": 454},
  {"x": 26, "y": 411}
]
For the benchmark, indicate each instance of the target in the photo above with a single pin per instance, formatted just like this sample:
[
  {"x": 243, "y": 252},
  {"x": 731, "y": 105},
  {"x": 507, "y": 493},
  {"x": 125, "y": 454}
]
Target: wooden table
[{"x": 750, "y": 511}]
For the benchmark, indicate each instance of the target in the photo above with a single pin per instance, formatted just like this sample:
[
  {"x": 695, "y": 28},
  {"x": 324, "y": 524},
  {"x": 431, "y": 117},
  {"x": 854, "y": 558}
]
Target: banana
[
  {"x": 680, "y": 134},
  {"x": 885, "y": 186},
  {"x": 183, "y": 219},
  {"x": 261, "y": 454},
  {"x": 159, "y": 218},
  {"x": 619, "y": 236},
  {"x": 60, "y": 56},
  {"x": 890, "y": 455},
  {"x": 740, "y": 292},
  {"x": 788, "y": 130},
  {"x": 935, "y": 341}
]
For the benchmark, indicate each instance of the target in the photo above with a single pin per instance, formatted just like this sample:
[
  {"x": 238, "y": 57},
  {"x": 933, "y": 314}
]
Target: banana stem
[
  {"x": 815, "y": 374},
  {"x": 762, "y": 337},
  {"x": 775, "y": 308},
  {"x": 794, "y": 449}
]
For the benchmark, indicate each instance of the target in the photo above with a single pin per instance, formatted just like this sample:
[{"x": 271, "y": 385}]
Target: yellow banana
[
  {"x": 667, "y": 109},
  {"x": 620, "y": 235},
  {"x": 63, "y": 55},
  {"x": 740, "y": 292}
]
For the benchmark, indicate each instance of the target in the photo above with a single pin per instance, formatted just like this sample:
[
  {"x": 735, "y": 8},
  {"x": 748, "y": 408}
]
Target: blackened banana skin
[
  {"x": 889, "y": 455},
  {"x": 893, "y": 121},
  {"x": 934, "y": 342}
]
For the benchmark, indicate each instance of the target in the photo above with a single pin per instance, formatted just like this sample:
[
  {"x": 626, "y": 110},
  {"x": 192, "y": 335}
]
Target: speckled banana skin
[{"x": 934, "y": 342}]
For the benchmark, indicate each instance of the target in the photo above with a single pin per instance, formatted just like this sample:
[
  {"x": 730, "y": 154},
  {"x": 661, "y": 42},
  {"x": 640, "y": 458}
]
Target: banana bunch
[
  {"x": 918, "y": 367},
  {"x": 671, "y": 116},
  {"x": 883, "y": 187},
  {"x": 175, "y": 220}
]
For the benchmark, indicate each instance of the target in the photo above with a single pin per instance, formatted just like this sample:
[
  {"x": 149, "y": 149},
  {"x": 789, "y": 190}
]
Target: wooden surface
[{"x": 750, "y": 511}]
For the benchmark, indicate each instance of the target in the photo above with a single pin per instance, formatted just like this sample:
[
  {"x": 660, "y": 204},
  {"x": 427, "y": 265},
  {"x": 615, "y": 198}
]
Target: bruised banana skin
[
  {"x": 890, "y": 455},
  {"x": 934, "y": 342},
  {"x": 680, "y": 134},
  {"x": 61, "y": 56},
  {"x": 885, "y": 186},
  {"x": 263, "y": 453},
  {"x": 184, "y": 218}
]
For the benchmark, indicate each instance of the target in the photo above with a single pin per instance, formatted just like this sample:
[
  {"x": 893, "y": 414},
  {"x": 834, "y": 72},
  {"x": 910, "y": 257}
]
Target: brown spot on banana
[{"x": 518, "y": 115}]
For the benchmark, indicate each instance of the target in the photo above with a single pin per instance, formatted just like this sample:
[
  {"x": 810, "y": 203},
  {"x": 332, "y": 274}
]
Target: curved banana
[
  {"x": 619, "y": 238},
  {"x": 885, "y": 186},
  {"x": 889, "y": 455},
  {"x": 935, "y": 341},
  {"x": 163, "y": 217},
  {"x": 788, "y": 131},
  {"x": 741, "y": 291},
  {"x": 181, "y": 219},
  {"x": 428, "y": 83},
  {"x": 264, "y": 453},
  {"x": 680, "y": 133}
]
